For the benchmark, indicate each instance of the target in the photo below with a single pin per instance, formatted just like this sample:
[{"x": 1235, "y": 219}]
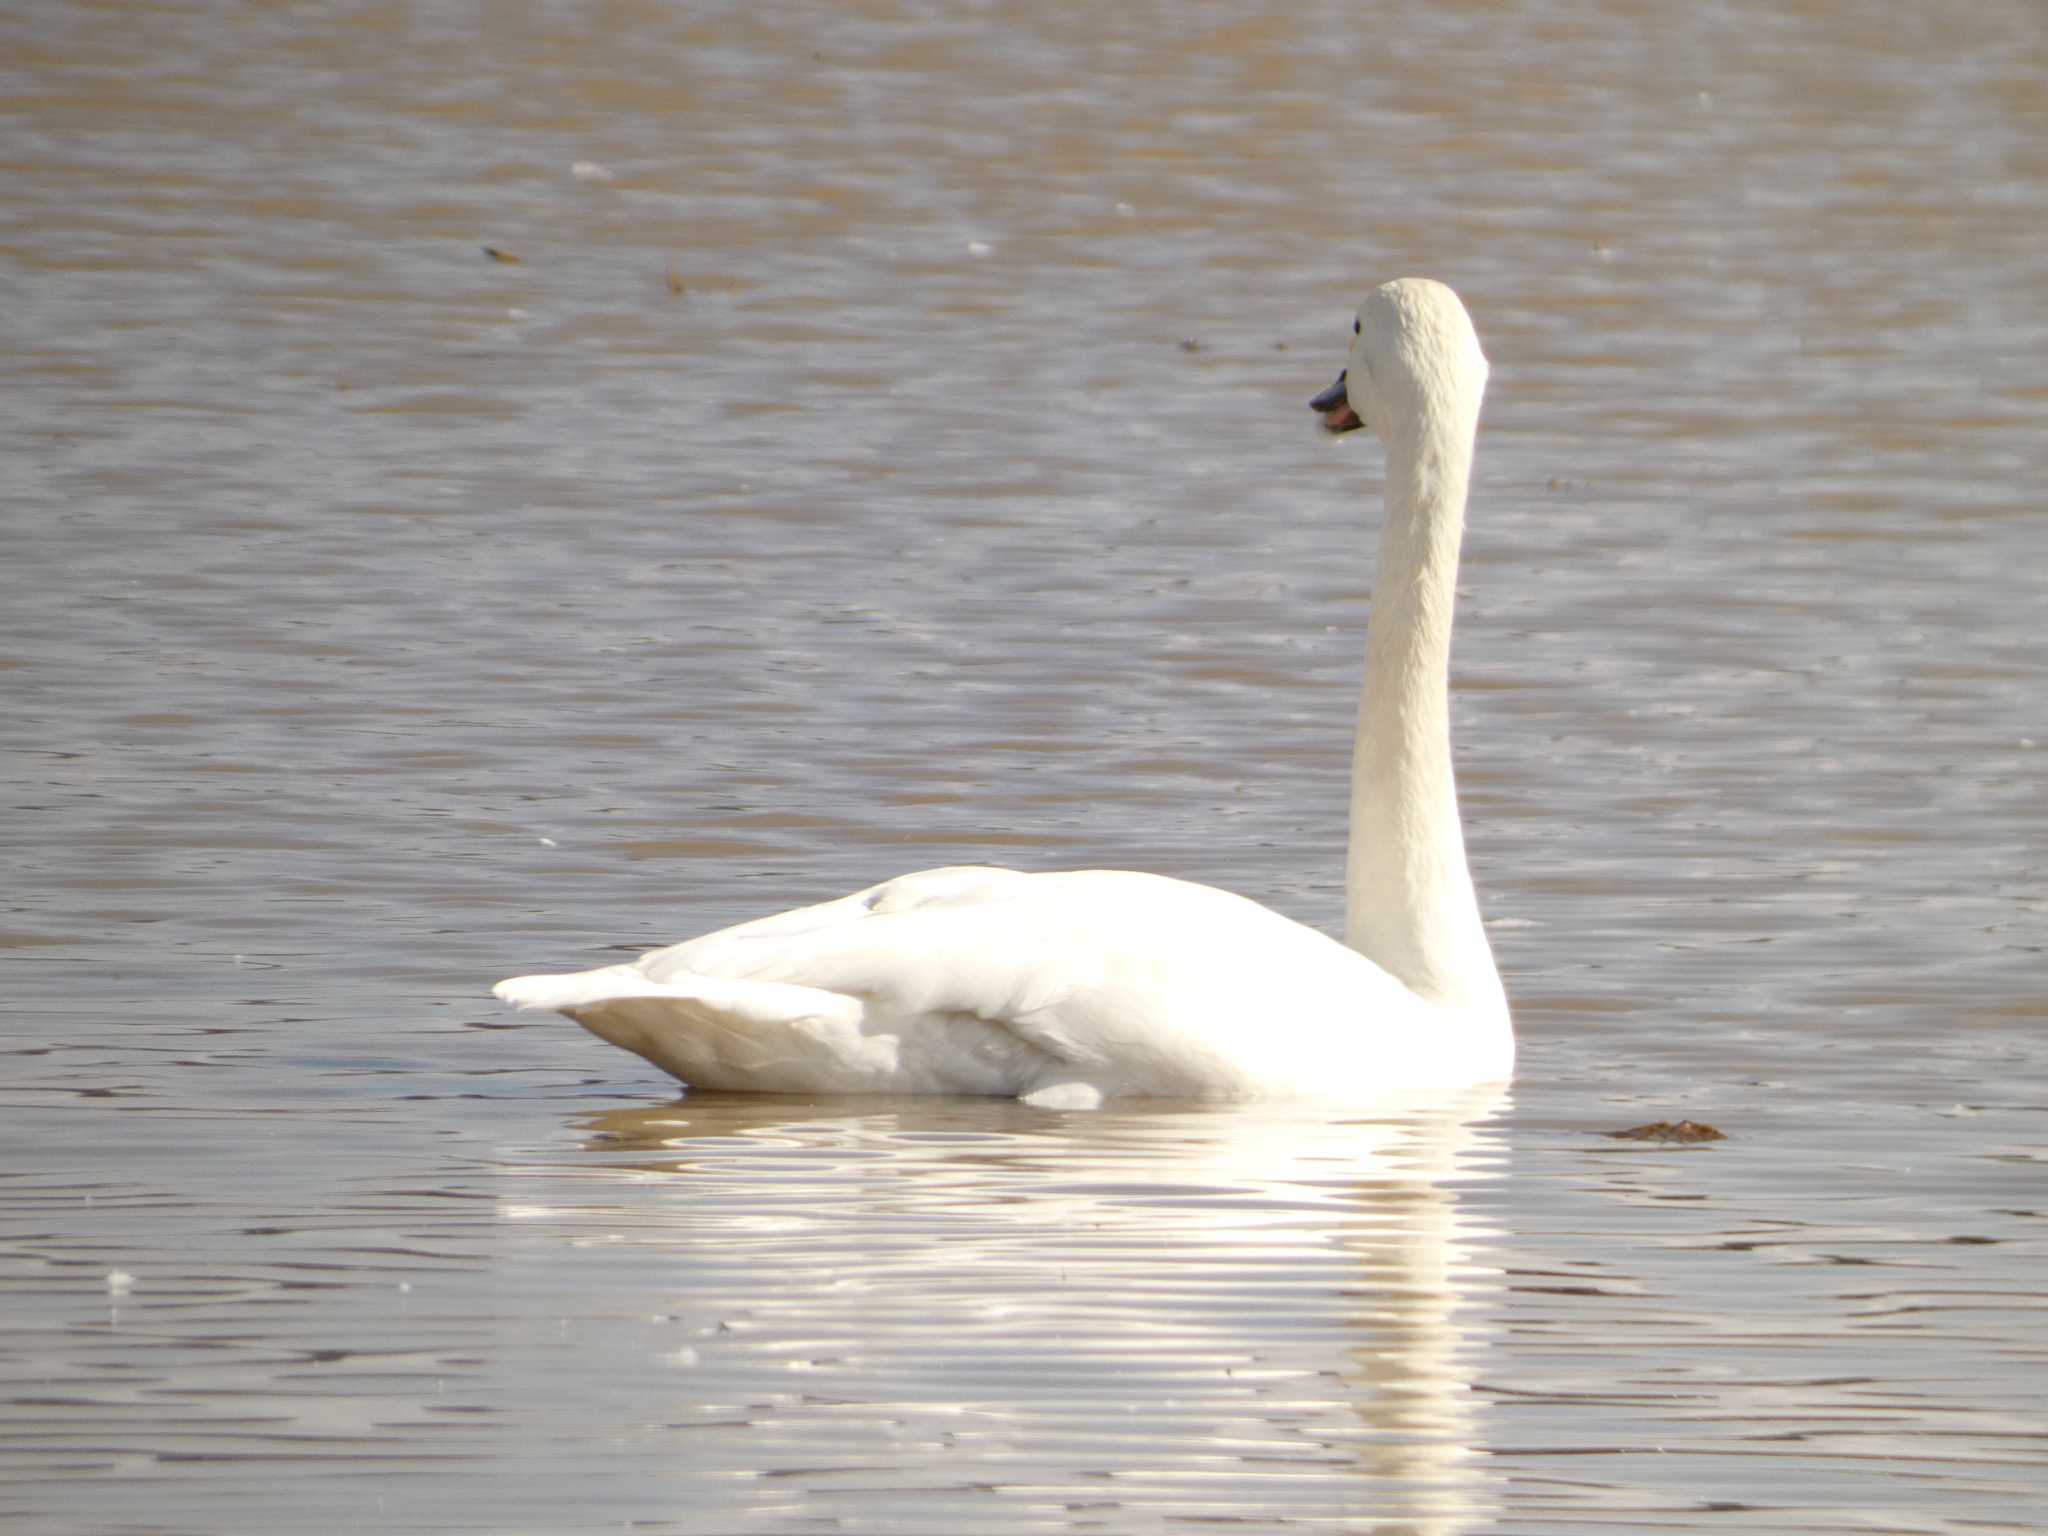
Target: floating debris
[
  {"x": 497, "y": 255},
  {"x": 590, "y": 170},
  {"x": 1667, "y": 1130},
  {"x": 675, "y": 281},
  {"x": 1189, "y": 344}
]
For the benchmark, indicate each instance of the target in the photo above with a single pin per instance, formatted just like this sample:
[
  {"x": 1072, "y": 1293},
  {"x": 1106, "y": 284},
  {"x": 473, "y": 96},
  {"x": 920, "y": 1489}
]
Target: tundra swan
[{"x": 1067, "y": 987}]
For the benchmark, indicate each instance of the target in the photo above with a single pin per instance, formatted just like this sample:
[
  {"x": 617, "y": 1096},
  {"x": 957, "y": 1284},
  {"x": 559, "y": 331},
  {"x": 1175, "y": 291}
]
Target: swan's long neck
[{"x": 1409, "y": 897}]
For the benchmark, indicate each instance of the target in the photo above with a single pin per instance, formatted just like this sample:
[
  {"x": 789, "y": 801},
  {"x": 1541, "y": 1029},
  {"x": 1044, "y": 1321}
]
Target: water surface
[{"x": 886, "y": 447}]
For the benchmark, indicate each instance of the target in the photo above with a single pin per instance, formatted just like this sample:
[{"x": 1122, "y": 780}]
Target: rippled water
[{"x": 885, "y": 448}]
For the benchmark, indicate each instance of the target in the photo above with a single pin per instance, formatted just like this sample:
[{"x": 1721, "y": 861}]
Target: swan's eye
[{"x": 1354, "y": 327}]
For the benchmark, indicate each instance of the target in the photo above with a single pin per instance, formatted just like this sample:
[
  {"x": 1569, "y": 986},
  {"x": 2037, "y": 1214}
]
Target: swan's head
[{"x": 1414, "y": 356}]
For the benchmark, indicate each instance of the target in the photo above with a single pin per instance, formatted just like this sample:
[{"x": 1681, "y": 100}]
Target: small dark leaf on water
[
  {"x": 497, "y": 255},
  {"x": 1189, "y": 344},
  {"x": 675, "y": 281},
  {"x": 1666, "y": 1130}
]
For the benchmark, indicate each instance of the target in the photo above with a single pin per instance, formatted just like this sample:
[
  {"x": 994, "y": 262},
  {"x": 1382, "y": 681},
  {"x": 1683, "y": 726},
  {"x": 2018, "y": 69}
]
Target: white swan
[{"x": 1069, "y": 987}]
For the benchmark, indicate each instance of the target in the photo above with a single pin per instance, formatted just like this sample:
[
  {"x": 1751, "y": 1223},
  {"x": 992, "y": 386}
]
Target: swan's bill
[{"x": 1334, "y": 406}]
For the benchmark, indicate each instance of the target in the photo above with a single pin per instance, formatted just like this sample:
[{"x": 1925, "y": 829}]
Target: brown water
[{"x": 889, "y": 449}]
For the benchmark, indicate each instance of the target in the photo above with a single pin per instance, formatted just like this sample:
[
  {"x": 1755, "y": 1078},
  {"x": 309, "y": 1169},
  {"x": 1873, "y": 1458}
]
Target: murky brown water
[{"x": 889, "y": 449}]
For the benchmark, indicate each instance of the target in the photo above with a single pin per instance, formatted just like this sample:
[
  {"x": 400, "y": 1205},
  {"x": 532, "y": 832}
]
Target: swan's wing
[
  {"x": 731, "y": 951},
  {"x": 907, "y": 986},
  {"x": 981, "y": 942},
  {"x": 775, "y": 1037}
]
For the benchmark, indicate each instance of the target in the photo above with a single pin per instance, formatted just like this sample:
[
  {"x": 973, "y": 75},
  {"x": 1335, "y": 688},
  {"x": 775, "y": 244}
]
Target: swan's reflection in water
[{"x": 943, "y": 1314}]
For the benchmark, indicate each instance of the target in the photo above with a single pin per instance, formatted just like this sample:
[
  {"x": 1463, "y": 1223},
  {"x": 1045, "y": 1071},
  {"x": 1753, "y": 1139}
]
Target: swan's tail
[
  {"x": 740, "y": 1002},
  {"x": 721, "y": 1031},
  {"x": 559, "y": 992}
]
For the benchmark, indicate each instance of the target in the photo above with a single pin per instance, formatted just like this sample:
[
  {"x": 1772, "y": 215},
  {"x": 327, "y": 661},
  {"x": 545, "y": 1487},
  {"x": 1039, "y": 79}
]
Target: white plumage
[{"x": 1068, "y": 987}]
